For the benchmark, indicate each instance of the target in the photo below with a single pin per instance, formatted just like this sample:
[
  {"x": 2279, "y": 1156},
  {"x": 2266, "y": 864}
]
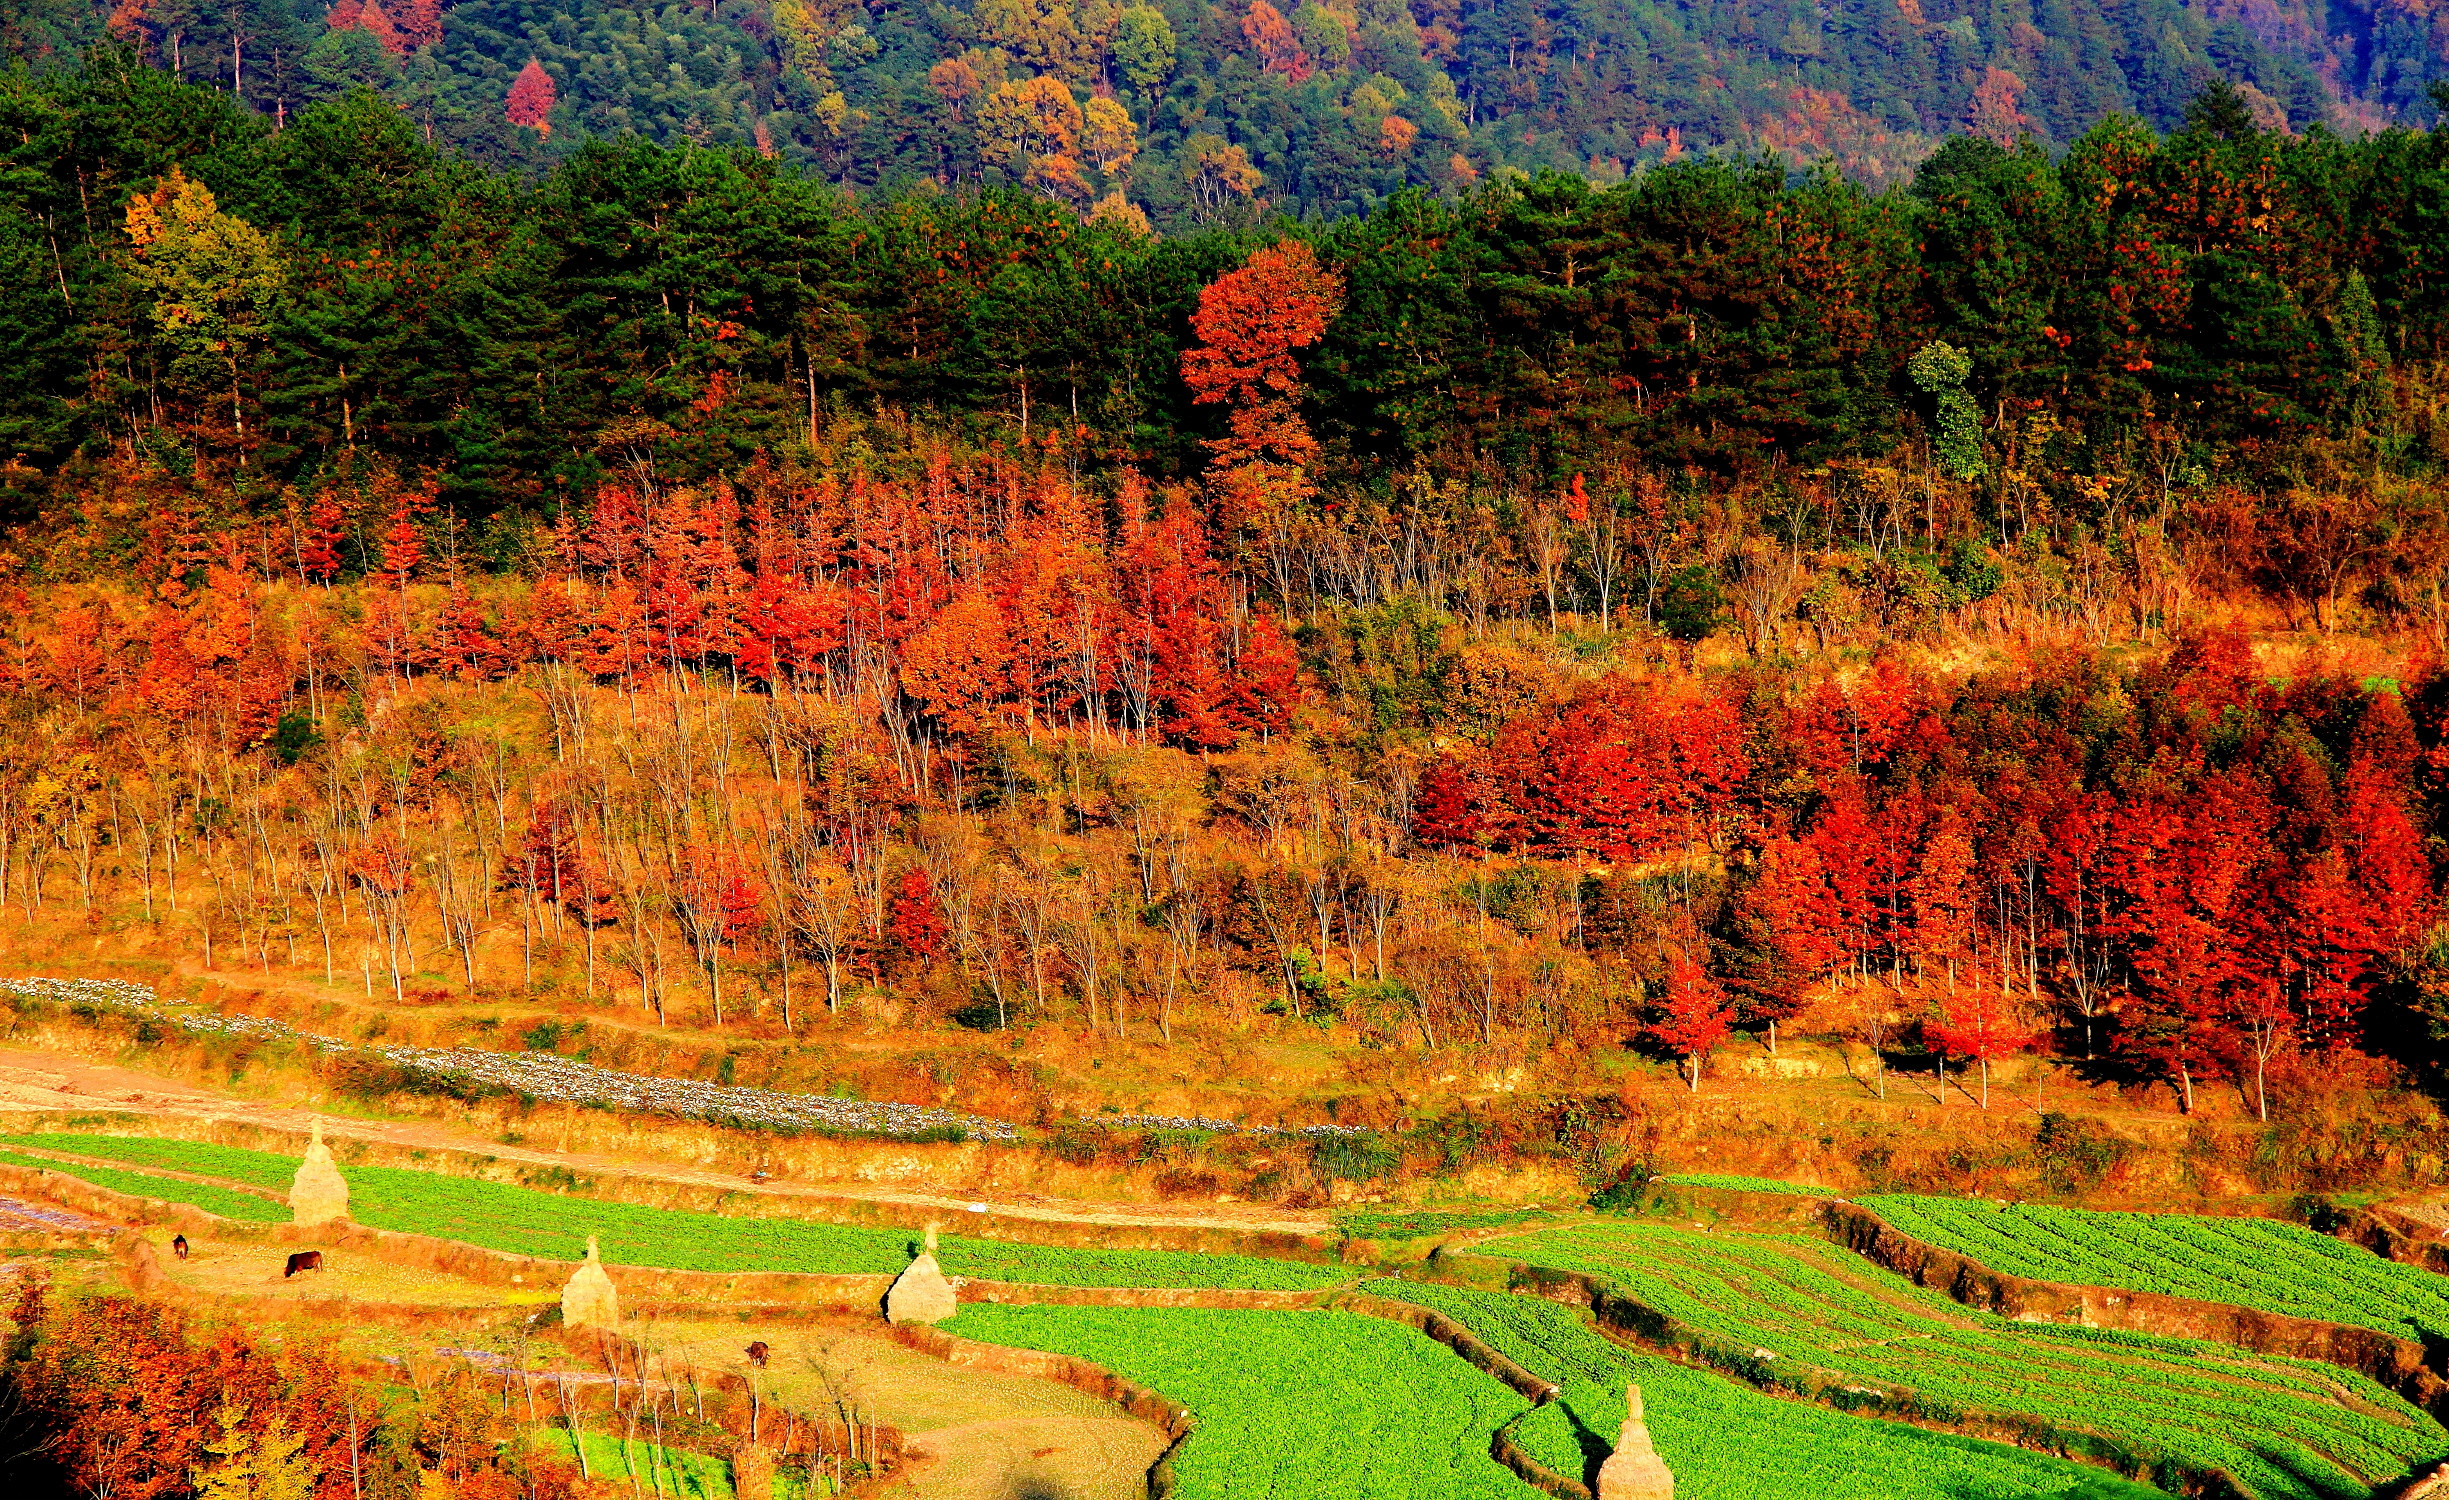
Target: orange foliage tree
[
  {"x": 1272, "y": 38},
  {"x": 1250, "y": 321},
  {"x": 140, "y": 1404},
  {"x": 1694, "y": 1015}
]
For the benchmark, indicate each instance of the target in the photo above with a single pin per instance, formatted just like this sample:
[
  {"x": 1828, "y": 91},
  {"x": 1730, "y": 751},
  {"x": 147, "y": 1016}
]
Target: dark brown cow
[
  {"x": 178, "y": 1246},
  {"x": 757, "y": 1353},
  {"x": 304, "y": 1260}
]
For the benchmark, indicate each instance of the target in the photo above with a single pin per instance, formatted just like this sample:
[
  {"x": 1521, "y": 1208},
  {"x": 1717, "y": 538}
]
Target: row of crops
[
  {"x": 229, "y": 1204},
  {"x": 527, "y": 1221},
  {"x": 2257, "y": 1263},
  {"x": 2286, "y": 1429},
  {"x": 1729, "y": 1182},
  {"x": 1727, "y": 1441}
]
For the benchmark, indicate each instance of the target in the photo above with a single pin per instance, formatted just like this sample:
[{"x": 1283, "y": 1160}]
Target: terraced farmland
[
  {"x": 2283, "y": 1429},
  {"x": 213, "y": 1200},
  {"x": 1726, "y": 1441},
  {"x": 2258, "y": 1263},
  {"x": 1291, "y": 1403},
  {"x": 526, "y": 1221}
]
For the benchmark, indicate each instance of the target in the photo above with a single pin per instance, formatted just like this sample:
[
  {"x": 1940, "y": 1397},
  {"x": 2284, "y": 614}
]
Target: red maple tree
[
  {"x": 915, "y": 918},
  {"x": 1977, "y": 1025},
  {"x": 319, "y": 547},
  {"x": 532, "y": 97},
  {"x": 1272, "y": 38},
  {"x": 1445, "y": 807},
  {"x": 418, "y": 22},
  {"x": 376, "y": 23},
  {"x": 1694, "y": 1015}
]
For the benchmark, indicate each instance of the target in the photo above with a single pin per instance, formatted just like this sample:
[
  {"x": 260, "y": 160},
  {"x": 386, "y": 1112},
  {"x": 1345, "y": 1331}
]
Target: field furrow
[
  {"x": 2286, "y": 1429},
  {"x": 2257, "y": 1263},
  {"x": 1726, "y": 1441}
]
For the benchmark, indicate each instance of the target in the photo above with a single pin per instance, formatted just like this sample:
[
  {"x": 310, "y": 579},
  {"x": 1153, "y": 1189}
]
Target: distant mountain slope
[{"x": 1197, "y": 112}]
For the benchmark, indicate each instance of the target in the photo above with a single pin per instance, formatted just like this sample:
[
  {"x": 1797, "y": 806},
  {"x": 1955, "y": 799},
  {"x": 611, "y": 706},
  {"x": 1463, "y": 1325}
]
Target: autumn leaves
[
  {"x": 1249, "y": 323},
  {"x": 2189, "y": 875}
]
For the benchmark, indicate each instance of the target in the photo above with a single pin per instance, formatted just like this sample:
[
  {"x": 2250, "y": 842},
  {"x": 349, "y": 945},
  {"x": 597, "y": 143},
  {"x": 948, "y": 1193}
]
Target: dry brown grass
[{"x": 241, "y": 1269}]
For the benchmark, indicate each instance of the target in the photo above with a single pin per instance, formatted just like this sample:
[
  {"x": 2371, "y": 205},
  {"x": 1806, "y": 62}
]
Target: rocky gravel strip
[
  {"x": 545, "y": 1076},
  {"x": 1219, "y": 1127}
]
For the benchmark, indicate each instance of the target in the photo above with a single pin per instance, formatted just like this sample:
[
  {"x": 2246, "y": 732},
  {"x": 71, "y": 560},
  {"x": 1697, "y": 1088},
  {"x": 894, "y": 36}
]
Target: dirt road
[
  {"x": 54, "y": 1081},
  {"x": 978, "y": 1434}
]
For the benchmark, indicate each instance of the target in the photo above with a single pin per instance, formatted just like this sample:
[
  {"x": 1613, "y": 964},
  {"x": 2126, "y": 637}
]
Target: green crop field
[
  {"x": 1726, "y": 1441},
  {"x": 646, "y": 1468},
  {"x": 1748, "y": 1184},
  {"x": 526, "y": 1221},
  {"x": 2257, "y": 1263},
  {"x": 1291, "y": 1403},
  {"x": 1372, "y": 1224},
  {"x": 2284, "y": 1429},
  {"x": 261, "y": 1169},
  {"x": 213, "y": 1200},
  {"x": 643, "y": 1465}
]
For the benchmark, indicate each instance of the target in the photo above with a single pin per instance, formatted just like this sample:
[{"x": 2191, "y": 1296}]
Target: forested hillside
[
  {"x": 850, "y": 597},
  {"x": 1196, "y": 113},
  {"x": 285, "y": 305},
  {"x": 1548, "y": 623}
]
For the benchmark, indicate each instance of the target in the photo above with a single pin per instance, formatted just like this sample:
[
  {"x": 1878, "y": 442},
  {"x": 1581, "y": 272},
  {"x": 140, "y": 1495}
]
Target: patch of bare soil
[
  {"x": 238, "y": 1269},
  {"x": 18, "y": 1216},
  {"x": 2432, "y": 1211},
  {"x": 983, "y": 1435},
  {"x": 54, "y": 1081},
  {"x": 1038, "y": 1458}
]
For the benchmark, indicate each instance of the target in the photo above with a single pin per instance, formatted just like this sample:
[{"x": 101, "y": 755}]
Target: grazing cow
[
  {"x": 757, "y": 1353},
  {"x": 304, "y": 1260},
  {"x": 178, "y": 1246}
]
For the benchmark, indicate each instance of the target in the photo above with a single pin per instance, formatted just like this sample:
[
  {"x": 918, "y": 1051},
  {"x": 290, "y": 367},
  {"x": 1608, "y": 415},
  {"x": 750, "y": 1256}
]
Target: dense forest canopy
[
  {"x": 284, "y": 299},
  {"x": 1197, "y": 112}
]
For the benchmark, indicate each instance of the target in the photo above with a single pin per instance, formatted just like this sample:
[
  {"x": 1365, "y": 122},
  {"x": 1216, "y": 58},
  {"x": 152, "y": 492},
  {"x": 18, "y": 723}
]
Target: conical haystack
[
  {"x": 920, "y": 1294},
  {"x": 1635, "y": 1471},
  {"x": 589, "y": 1301},
  {"x": 318, "y": 1194}
]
